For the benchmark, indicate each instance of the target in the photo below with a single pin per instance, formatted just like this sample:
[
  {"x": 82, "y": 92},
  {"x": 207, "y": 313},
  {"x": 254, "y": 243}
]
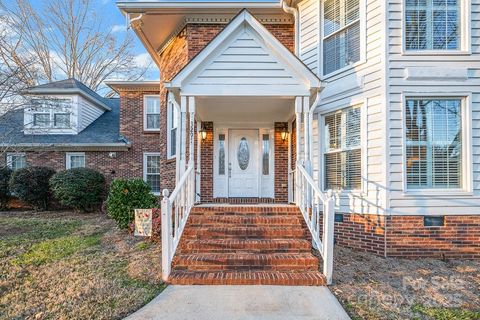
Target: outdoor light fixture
[
  {"x": 203, "y": 133},
  {"x": 284, "y": 133}
]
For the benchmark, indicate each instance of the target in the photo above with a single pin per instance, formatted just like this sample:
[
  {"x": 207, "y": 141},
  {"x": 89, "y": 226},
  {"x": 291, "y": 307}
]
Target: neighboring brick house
[{"x": 67, "y": 125}]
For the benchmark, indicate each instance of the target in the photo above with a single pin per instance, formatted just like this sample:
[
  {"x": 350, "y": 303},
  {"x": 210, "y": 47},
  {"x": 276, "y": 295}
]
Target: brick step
[
  {"x": 251, "y": 245},
  {"x": 235, "y": 220},
  {"x": 245, "y": 210},
  {"x": 310, "y": 278},
  {"x": 246, "y": 261},
  {"x": 245, "y": 233}
]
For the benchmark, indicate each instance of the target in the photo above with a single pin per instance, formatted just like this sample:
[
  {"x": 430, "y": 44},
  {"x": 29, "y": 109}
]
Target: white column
[
  {"x": 306, "y": 133},
  {"x": 191, "y": 130},
  {"x": 199, "y": 167},
  {"x": 183, "y": 134},
  {"x": 298, "y": 124}
]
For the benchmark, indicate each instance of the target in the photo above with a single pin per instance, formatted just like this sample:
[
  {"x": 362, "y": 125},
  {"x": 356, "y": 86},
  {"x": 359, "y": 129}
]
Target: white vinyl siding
[
  {"x": 75, "y": 160},
  {"x": 432, "y": 24},
  {"x": 151, "y": 171},
  {"x": 172, "y": 129},
  {"x": 433, "y": 144},
  {"x": 309, "y": 46},
  {"x": 16, "y": 161},
  {"x": 423, "y": 75},
  {"x": 341, "y": 34},
  {"x": 343, "y": 154},
  {"x": 151, "y": 109}
]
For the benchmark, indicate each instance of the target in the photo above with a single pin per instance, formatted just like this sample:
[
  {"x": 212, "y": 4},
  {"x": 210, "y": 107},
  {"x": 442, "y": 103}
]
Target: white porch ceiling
[{"x": 245, "y": 109}]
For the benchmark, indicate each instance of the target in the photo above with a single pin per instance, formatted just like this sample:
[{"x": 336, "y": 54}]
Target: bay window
[
  {"x": 341, "y": 34},
  {"x": 432, "y": 24},
  {"x": 342, "y": 149},
  {"x": 433, "y": 143}
]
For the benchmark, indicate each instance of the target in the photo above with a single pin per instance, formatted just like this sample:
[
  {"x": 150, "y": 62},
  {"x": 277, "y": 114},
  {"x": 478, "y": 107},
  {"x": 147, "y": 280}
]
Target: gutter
[
  {"x": 293, "y": 11},
  {"x": 72, "y": 146},
  {"x": 141, "y": 5}
]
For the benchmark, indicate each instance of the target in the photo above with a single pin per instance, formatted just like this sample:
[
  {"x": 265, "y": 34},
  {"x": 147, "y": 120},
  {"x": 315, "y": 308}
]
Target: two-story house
[
  {"x": 270, "y": 115},
  {"x": 375, "y": 100}
]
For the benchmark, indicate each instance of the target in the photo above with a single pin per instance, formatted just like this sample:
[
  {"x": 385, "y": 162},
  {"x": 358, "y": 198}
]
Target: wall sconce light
[
  {"x": 284, "y": 133},
  {"x": 203, "y": 133}
]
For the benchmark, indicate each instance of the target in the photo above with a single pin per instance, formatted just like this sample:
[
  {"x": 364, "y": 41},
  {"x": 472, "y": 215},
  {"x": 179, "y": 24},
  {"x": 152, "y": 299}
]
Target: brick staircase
[{"x": 246, "y": 245}]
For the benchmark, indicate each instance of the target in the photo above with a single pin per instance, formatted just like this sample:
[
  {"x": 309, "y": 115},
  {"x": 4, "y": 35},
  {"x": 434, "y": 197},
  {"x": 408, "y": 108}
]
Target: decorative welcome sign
[{"x": 143, "y": 222}]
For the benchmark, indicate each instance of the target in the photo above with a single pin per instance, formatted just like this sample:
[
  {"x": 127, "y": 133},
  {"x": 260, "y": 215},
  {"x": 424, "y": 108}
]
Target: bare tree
[{"x": 65, "y": 39}]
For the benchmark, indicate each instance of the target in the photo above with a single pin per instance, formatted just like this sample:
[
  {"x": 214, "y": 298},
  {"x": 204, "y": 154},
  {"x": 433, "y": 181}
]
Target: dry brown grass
[
  {"x": 372, "y": 287},
  {"x": 48, "y": 269}
]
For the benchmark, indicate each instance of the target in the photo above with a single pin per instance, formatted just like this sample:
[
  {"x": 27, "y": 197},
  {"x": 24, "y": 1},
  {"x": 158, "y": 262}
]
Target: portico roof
[{"x": 245, "y": 59}]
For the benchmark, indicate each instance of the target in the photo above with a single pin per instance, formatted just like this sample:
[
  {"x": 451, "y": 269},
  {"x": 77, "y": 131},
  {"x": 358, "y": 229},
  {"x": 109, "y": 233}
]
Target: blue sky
[{"x": 116, "y": 20}]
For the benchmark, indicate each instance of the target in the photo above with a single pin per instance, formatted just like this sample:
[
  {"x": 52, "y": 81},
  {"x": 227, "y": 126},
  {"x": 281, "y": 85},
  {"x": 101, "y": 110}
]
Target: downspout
[{"x": 293, "y": 11}]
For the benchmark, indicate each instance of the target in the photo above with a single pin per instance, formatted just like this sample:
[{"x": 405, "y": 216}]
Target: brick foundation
[{"x": 407, "y": 237}]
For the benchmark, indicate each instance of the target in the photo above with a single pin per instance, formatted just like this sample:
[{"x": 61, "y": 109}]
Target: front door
[{"x": 243, "y": 169}]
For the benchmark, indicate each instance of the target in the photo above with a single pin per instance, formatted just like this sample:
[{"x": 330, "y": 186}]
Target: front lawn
[
  {"x": 371, "y": 287},
  {"x": 73, "y": 266}
]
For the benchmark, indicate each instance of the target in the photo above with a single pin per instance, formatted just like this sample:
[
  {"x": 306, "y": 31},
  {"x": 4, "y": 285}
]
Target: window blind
[
  {"x": 343, "y": 156},
  {"x": 432, "y": 24},
  {"x": 433, "y": 144},
  {"x": 341, "y": 43}
]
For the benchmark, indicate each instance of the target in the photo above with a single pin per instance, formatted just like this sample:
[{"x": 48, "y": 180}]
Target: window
[
  {"x": 429, "y": 221},
  {"x": 341, "y": 34},
  {"x": 433, "y": 143},
  {"x": 16, "y": 161},
  {"x": 432, "y": 24},
  {"x": 61, "y": 120},
  {"x": 151, "y": 171},
  {"x": 172, "y": 123},
  {"x": 221, "y": 154},
  {"x": 54, "y": 113},
  {"x": 152, "y": 113},
  {"x": 75, "y": 160},
  {"x": 342, "y": 154},
  {"x": 266, "y": 154}
]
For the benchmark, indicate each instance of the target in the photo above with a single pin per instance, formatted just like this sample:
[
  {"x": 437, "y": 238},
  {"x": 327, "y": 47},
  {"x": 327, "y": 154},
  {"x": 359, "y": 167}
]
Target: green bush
[
  {"x": 126, "y": 195},
  {"x": 5, "y": 174},
  {"x": 80, "y": 188},
  {"x": 31, "y": 186}
]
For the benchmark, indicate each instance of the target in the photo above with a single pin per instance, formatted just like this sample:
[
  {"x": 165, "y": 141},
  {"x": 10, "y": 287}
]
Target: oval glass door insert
[{"x": 243, "y": 154}]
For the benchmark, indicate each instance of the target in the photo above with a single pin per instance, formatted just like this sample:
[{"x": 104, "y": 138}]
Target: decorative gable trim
[{"x": 256, "y": 63}]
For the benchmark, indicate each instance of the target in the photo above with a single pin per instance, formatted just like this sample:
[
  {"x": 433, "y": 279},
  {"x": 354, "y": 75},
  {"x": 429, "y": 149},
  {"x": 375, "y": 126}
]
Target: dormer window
[{"x": 48, "y": 114}]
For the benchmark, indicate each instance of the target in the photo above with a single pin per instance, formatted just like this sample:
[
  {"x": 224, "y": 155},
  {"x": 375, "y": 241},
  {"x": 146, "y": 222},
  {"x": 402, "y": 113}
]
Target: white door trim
[{"x": 221, "y": 182}]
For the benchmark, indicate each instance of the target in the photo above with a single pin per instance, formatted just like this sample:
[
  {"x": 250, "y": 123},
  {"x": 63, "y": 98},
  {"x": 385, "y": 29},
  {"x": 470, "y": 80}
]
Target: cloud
[{"x": 119, "y": 28}]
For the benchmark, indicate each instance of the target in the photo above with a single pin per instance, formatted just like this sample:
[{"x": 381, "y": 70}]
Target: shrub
[
  {"x": 31, "y": 186},
  {"x": 80, "y": 188},
  {"x": 126, "y": 195},
  {"x": 5, "y": 174}
]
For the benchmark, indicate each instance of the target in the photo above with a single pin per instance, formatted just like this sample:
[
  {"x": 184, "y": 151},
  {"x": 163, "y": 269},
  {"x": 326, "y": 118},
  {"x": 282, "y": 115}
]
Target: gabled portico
[{"x": 243, "y": 87}]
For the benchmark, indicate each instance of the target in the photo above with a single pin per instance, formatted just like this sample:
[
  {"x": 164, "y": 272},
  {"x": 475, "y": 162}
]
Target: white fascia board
[{"x": 146, "y": 5}]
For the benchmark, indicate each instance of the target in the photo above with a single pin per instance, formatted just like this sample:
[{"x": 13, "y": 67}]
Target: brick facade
[{"x": 281, "y": 163}]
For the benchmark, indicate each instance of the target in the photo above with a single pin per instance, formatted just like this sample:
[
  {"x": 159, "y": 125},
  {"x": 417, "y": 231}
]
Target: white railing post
[
  {"x": 166, "y": 234},
  {"x": 328, "y": 236}
]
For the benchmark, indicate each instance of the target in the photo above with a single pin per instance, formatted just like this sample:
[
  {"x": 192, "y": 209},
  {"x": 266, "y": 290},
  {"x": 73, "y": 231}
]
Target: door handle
[{"x": 229, "y": 170}]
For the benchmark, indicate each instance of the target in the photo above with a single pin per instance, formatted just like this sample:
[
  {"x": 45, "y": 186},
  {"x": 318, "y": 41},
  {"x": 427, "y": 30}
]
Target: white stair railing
[
  {"x": 312, "y": 202},
  {"x": 175, "y": 211}
]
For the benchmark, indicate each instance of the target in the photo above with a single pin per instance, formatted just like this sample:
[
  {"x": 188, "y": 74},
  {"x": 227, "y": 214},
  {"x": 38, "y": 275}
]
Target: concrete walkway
[{"x": 242, "y": 302}]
